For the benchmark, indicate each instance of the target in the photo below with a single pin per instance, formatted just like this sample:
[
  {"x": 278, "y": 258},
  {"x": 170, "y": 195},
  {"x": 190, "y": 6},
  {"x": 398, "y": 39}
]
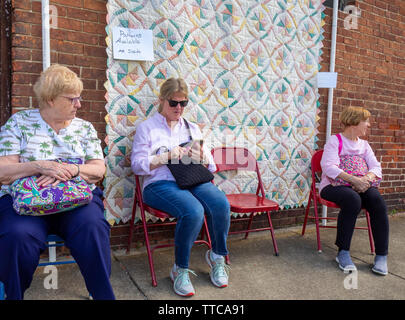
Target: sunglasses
[{"x": 174, "y": 103}]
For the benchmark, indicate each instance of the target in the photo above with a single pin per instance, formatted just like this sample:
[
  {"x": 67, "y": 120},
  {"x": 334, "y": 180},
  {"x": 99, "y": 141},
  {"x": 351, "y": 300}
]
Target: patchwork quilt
[{"x": 251, "y": 68}]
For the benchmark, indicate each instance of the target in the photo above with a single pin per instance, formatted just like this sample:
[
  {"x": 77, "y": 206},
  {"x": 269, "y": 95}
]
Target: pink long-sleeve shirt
[
  {"x": 155, "y": 133},
  {"x": 330, "y": 159}
]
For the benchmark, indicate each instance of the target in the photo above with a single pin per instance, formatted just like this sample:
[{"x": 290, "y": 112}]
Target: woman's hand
[
  {"x": 360, "y": 184},
  {"x": 54, "y": 172},
  {"x": 178, "y": 153},
  {"x": 60, "y": 171},
  {"x": 197, "y": 155},
  {"x": 43, "y": 181}
]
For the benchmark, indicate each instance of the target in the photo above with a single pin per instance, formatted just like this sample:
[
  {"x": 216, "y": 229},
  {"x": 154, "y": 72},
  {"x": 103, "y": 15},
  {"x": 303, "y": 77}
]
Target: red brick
[
  {"x": 21, "y": 4},
  {"x": 68, "y": 3},
  {"x": 81, "y": 14},
  {"x": 69, "y": 24},
  {"x": 21, "y": 90},
  {"x": 97, "y": 5},
  {"x": 24, "y": 41}
]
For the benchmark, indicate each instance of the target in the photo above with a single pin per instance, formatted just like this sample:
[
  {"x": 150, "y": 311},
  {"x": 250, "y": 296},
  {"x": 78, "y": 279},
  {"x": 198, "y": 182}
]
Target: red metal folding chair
[
  {"x": 314, "y": 196},
  {"x": 138, "y": 200},
  {"x": 235, "y": 158}
]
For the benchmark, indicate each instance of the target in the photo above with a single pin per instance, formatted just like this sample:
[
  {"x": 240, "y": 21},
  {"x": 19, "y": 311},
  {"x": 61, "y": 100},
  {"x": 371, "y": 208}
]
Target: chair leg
[
  {"x": 147, "y": 243},
  {"x": 149, "y": 251},
  {"x": 306, "y": 214},
  {"x": 249, "y": 224},
  {"x": 370, "y": 233},
  {"x": 206, "y": 232},
  {"x": 131, "y": 225},
  {"x": 52, "y": 251},
  {"x": 272, "y": 234},
  {"x": 318, "y": 236}
]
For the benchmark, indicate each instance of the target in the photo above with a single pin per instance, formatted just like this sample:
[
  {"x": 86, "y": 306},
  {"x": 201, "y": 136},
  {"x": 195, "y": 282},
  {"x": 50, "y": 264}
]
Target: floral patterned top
[{"x": 29, "y": 136}]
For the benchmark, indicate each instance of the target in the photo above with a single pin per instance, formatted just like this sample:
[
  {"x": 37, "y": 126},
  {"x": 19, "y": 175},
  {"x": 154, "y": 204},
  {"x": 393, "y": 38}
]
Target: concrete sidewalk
[{"x": 299, "y": 272}]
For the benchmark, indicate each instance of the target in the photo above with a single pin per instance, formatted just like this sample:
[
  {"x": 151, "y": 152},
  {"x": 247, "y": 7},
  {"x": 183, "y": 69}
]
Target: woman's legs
[
  {"x": 349, "y": 202},
  {"x": 168, "y": 197},
  {"x": 217, "y": 210},
  {"x": 22, "y": 239},
  {"x": 374, "y": 203},
  {"x": 188, "y": 206},
  {"x": 87, "y": 235}
]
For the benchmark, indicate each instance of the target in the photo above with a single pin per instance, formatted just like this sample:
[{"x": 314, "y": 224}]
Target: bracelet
[{"x": 78, "y": 170}]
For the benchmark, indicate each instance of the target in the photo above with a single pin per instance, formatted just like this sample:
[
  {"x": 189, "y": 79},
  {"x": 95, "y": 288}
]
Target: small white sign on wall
[
  {"x": 132, "y": 44},
  {"x": 326, "y": 79}
]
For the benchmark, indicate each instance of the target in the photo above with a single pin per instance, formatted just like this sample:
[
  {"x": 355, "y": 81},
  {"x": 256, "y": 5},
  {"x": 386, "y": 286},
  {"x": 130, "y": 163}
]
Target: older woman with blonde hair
[
  {"x": 351, "y": 191},
  {"x": 30, "y": 141},
  {"x": 157, "y": 141}
]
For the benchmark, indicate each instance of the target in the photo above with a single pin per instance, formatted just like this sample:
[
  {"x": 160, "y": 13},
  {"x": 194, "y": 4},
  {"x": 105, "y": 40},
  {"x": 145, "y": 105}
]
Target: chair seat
[
  {"x": 247, "y": 202},
  {"x": 327, "y": 203},
  {"x": 156, "y": 212}
]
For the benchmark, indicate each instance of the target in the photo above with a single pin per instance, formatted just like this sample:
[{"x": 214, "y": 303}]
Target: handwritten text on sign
[{"x": 132, "y": 44}]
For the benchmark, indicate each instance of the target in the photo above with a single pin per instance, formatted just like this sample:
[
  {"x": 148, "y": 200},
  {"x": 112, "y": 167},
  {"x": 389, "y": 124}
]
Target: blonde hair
[
  {"x": 352, "y": 116},
  {"x": 54, "y": 81},
  {"x": 171, "y": 86}
]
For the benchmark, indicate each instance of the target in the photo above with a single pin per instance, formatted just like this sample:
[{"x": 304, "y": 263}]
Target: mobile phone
[
  {"x": 198, "y": 142},
  {"x": 192, "y": 143}
]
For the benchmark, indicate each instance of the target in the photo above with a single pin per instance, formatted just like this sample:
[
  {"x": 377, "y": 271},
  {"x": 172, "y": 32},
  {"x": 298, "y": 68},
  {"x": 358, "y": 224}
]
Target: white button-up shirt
[{"x": 154, "y": 134}]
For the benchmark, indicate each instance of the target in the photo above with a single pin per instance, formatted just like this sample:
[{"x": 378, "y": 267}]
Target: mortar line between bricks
[{"x": 130, "y": 277}]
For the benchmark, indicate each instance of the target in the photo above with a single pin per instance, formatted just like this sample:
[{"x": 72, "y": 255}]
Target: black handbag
[{"x": 187, "y": 173}]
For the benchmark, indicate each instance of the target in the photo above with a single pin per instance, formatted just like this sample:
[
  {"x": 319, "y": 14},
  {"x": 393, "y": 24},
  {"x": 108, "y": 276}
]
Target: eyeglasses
[
  {"x": 174, "y": 103},
  {"x": 74, "y": 100}
]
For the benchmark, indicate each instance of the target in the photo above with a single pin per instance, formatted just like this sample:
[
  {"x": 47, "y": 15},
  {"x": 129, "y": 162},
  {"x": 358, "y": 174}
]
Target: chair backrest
[
  {"x": 142, "y": 205},
  {"x": 237, "y": 158},
  {"x": 138, "y": 189},
  {"x": 316, "y": 169},
  {"x": 233, "y": 158}
]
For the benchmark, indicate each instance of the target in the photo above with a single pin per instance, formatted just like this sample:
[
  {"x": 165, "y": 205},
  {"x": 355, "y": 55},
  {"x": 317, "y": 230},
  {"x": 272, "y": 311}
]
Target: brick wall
[
  {"x": 78, "y": 42},
  {"x": 370, "y": 62}
]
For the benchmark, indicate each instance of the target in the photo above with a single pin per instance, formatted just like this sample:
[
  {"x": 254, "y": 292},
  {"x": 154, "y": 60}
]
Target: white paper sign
[
  {"x": 132, "y": 44},
  {"x": 327, "y": 79}
]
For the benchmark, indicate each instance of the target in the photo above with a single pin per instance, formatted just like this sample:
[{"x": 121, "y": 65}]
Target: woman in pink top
[{"x": 359, "y": 193}]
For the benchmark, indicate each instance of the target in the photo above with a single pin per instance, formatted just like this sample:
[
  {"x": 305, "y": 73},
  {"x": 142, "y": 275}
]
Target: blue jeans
[{"x": 189, "y": 206}]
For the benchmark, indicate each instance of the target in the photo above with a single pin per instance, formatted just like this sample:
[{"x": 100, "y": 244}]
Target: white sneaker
[
  {"x": 181, "y": 282},
  {"x": 219, "y": 270}
]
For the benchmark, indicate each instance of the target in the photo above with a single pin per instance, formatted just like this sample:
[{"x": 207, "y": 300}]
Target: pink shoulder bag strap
[{"x": 340, "y": 143}]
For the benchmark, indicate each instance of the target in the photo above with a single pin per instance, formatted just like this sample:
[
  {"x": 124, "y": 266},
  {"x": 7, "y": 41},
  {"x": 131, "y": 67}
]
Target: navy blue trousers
[{"x": 86, "y": 234}]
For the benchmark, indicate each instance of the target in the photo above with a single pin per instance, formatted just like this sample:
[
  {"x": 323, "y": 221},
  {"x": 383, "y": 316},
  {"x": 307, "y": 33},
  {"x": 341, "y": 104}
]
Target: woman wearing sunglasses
[{"x": 156, "y": 142}]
